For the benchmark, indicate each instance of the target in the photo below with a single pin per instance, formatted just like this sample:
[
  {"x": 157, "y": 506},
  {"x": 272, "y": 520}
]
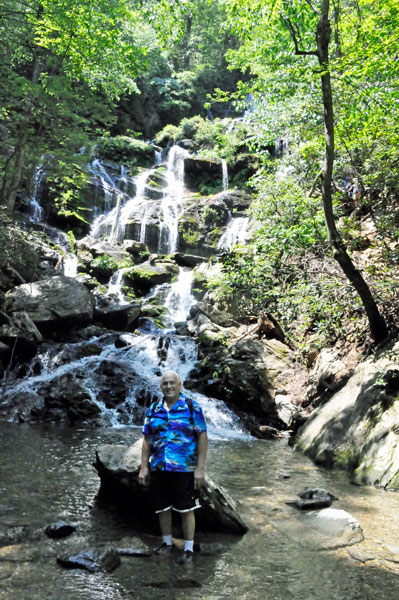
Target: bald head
[{"x": 171, "y": 385}]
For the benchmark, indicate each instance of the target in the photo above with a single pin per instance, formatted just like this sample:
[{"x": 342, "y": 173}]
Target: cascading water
[
  {"x": 171, "y": 204},
  {"x": 236, "y": 232},
  {"x": 142, "y": 357},
  {"x": 34, "y": 200},
  {"x": 225, "y": 175}
]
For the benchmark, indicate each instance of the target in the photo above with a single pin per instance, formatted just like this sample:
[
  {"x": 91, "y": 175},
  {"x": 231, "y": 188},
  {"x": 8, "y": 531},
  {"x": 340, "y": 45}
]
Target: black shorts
[{"x": 173, "y": 490}]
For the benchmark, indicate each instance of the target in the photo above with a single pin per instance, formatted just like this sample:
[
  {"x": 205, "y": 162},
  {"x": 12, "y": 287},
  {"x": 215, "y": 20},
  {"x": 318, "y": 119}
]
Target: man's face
[{"x": 170, "y": 386}]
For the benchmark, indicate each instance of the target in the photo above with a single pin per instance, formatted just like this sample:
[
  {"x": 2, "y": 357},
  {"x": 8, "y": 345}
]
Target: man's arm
[
  {"x": 144, "y": 474},
  {"x": 202, "y": 449}
]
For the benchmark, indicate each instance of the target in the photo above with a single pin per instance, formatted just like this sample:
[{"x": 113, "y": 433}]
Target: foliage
[
  {"x": 67, "y": 186},
  {"x": 65, "y": 64},
  {"x": 106, "y": 264},
  {"x": 125, "y": 150}
]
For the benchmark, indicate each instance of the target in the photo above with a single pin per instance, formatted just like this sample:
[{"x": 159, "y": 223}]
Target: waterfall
[
  {"x": 225, "y": 175},
  {"x": 34, "y": 200},
  {"x": 139, "y": 359},
  {"x": 171, "y": 204},
  {"x": 179, "y": 299},
  {"x": 115, "y": 286},
  {"x": 113, "y": 223},
  {"x": 236, "y": 232}
]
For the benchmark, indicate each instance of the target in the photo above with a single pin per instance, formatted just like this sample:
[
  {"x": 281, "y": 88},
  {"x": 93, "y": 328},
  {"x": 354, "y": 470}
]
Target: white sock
[
  {"x": 189, "y": 545},
  {"x": 167, "y": 539}
]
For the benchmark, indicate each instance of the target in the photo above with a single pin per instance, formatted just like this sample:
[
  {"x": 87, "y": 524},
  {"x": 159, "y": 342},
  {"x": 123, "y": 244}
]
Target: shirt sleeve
[
  {"x": 146, "y": 426},
  {"x": 199, "y": 419}
]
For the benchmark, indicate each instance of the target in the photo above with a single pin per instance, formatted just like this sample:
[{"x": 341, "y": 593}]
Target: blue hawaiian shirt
[{"x": 173, "y": 441}]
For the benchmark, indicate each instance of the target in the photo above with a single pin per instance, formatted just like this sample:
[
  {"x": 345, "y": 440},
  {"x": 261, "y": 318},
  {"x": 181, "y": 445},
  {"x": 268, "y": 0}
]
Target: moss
[
  {"x": 347, "y": 459},
  {"x": 191, "y": 237}
]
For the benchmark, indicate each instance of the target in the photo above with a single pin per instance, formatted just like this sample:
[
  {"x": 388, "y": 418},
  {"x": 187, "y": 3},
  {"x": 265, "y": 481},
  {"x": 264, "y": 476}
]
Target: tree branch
[
  {"x": 287, "y": 22},
  {"x": 312, "y": 6}
]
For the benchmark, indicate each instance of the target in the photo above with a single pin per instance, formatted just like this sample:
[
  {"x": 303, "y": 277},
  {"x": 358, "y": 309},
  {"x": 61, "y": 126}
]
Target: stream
[{"x": 48, "y": 476}]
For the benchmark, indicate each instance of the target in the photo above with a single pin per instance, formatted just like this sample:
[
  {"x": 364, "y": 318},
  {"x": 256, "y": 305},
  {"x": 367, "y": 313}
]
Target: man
[{"x": 173, "y": 455}]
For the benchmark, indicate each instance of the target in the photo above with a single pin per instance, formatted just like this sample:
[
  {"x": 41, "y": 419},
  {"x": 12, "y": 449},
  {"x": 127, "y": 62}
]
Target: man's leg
[
  {"x": 188, "y": 524},
  {"x": 165, "y": 522}
]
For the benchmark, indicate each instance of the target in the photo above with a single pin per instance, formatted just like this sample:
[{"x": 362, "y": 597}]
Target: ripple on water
[{"x": 46, "y": 474}]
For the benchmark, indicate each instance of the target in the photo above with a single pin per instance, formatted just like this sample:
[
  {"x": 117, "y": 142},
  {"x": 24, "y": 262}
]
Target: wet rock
[
  {"x": 362, "y": 556},
  {"x": 133, "y": 547},
  {"x": 148, "y": 274},
  {"x": 52, "y": 303},
  {"x": 12, "y": 535},
  {"x": 118, "y": 468},
  {"x": 357, "y": 428},
  {"x": 60, "y": 529},
  {"x": 122, "y": 317},
  {"x": 187, "y": 260},
  {"x": 65, "y": 399},
  {"x": 91, "y": 560},
  {"x": 390, "y": 553},
  {"x": 99, "y": 248},
  {"x": 312, "y": 499},
  {"x": 321, "y": 529},
  {"x": 311, "y": 504},
  {"x": 316, "y": 494}
]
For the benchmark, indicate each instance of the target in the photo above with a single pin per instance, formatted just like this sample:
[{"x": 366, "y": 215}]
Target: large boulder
[
  {"x": 149, "y": 274},
  {"x": 122, "y": 317},
  {"x": 358, "y": 428},
  {"x": 118, "y": 468},
  {"x": 52, "y": 303}
]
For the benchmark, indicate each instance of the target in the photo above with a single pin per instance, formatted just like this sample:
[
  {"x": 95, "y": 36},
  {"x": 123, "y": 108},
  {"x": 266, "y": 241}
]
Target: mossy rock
[{"x": 126, "y": 150}]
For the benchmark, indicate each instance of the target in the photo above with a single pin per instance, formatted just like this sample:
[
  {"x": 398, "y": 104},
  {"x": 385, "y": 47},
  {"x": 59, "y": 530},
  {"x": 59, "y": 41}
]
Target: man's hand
[
  {"x": 144, "y": 476},
  {"x": 199, "y": 477}
]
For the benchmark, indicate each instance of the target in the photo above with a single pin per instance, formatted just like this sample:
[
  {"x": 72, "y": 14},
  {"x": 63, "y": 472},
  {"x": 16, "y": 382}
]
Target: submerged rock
[
  {"x": 118, "y": 468},
  {"x": 91, "y": 560},
  {"x": 60, "y": 529},
  {"x": 321, "y": 529}
]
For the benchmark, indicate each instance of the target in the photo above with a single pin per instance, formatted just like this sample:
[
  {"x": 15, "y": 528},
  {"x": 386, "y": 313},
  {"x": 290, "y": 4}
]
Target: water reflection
[{"x": 46, "y": 474}]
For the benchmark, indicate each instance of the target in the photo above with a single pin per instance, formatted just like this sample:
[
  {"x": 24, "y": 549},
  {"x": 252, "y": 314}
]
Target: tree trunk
[
  {"x": 377, "y": 323},
  {"x": 10, "y": 191}
]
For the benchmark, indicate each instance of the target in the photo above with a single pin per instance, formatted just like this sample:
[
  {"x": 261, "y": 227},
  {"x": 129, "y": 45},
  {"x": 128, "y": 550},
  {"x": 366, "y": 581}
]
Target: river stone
[
  {"x": 91, "y": 560},
  {"x": 56, "y": 302},
  {"x": 358, "y": 428},
  {"x": 118, "y": 467},
  {"x": 60, "y": 529},
  {"x": 390, "y": 553},
  {"x": 361, "y": 555},
  {"x": 133, "y": 546},
  {"x": 313, "y": 498},
  {"x": 321, "y": 529}
]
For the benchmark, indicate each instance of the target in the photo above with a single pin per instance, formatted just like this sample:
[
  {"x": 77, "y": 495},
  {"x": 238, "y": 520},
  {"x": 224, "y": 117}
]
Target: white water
[
  {"x": 171, "y": 205},
  {"x": 34, "y": 200},
  {"x": 225, "y": 175},
  {"x": 143, "y": 356},
  {"x": 236, "y": 232},
  {"x": 179, "y": 299},
  {"x": 115, "y": 286}
]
